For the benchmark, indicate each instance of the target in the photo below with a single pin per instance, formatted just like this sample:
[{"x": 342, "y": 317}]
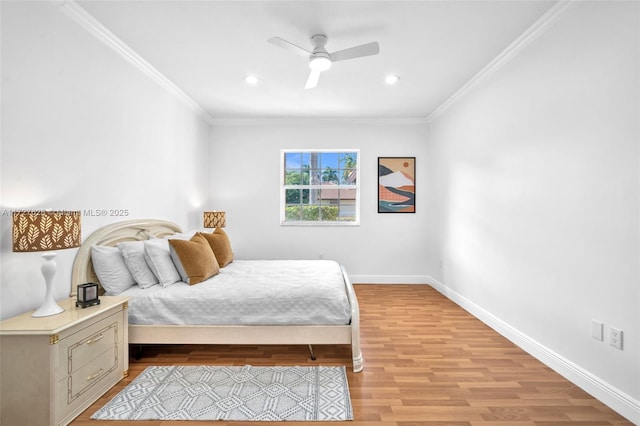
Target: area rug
[{"x": 233, "y": 393}]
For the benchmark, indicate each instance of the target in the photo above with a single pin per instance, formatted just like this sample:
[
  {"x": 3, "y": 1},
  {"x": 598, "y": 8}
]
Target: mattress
[{"x": 249, "y": 292}]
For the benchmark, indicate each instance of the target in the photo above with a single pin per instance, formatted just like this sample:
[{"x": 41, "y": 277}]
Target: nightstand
[{"x": 53, "y": 368}]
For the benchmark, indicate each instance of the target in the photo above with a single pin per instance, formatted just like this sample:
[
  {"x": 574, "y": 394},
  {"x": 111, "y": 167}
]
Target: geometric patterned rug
[{"x": 233, "y": 393}]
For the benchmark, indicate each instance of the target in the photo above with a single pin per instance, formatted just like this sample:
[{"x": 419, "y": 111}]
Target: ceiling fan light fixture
[{"x": 320, "y": 63}]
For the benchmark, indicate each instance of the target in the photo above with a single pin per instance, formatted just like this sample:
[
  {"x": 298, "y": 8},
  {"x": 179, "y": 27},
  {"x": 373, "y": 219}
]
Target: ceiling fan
[{"x": 320, "y": 59}]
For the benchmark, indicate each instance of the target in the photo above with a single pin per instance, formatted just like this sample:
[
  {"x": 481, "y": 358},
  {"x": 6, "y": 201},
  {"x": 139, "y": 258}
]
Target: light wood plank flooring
[{"x": 427, "y": 362}]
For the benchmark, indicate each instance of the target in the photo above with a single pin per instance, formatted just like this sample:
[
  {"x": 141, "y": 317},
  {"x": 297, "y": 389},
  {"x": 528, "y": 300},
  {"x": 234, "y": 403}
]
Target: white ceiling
[{"x": 207, "y": 47}]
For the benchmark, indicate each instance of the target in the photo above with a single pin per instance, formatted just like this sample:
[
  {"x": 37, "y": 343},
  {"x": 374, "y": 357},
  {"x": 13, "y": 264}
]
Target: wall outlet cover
[{"x": 616, "y": 338}]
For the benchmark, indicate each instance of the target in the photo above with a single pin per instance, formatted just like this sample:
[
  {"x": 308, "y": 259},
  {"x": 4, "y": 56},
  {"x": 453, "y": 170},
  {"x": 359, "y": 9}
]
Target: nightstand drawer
[
  {"x": 81, "y": 347},
  {"x": 91, "y": 374},
  {"x": 87, "y": 350},
  {"x": 78, "y": 390}
]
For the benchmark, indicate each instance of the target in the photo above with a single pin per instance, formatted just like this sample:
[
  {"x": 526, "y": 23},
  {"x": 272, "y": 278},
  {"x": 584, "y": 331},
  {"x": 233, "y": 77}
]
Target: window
[{"x": 320, "y": 187}]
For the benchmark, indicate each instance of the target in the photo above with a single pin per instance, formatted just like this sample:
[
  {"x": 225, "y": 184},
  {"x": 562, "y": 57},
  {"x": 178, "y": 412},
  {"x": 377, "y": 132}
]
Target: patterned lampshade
[
  {"x": 45, "y": 230},
  {"x": 214, "y": 220}
]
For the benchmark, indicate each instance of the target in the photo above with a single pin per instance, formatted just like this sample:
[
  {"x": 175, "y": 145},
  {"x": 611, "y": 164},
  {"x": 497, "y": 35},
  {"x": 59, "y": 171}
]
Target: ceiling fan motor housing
[
  {"x": 320, "y": 62},
  {"x": 320, "y": 59},
  {"x": 319, "y": 40}
]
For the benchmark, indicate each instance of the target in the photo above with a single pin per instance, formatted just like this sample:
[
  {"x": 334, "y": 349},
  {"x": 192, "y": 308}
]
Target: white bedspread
[{"x": 250, "y": 292}]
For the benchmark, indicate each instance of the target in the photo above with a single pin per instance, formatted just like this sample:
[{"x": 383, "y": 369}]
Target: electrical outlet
[
  {"x": 596, "y": 330},
  {"x": 615, "y": 337}
]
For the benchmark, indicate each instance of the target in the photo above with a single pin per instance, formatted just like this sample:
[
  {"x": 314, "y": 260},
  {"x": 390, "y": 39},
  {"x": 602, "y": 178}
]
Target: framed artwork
[{"x": 396, "y": 184}]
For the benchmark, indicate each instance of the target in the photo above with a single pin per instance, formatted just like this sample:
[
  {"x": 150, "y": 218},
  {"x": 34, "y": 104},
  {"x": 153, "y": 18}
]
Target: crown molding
[
  {"x": 305, "y": 121},
  {"x": 93, "y": 26},
  {"x": 532, "y": 33}
]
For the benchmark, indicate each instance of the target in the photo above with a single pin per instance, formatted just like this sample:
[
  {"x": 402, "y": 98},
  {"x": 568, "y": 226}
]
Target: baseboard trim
[
  {"x": 389, "y": 279},
  {"x": 617, "y": 400}
]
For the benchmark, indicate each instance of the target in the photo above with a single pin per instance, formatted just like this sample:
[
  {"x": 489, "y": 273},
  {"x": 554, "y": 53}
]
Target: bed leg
[
  {"x": 313, "y": 356},
  {"x": 358, "y": 362},
  {"x": 137, "y": 352}
]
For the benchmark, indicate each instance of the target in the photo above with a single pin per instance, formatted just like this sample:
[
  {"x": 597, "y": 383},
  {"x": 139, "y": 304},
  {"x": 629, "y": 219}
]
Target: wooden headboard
[{"x": 110, "y": 235}]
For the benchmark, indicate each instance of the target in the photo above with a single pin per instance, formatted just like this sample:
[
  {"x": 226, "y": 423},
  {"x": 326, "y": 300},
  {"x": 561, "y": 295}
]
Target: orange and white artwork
[{"x": 396, "y": 184}]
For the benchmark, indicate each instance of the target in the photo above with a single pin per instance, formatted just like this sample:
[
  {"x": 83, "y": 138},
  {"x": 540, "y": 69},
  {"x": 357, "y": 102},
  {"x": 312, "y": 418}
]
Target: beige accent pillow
[
  {"x": 194, "y": 259},
  {"x": 221, "y": 246}
]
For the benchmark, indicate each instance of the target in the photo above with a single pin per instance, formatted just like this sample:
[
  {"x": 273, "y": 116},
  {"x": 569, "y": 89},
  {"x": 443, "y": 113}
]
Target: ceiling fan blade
[
  {"x": 356, "y": 52},
  {"x": 280, "y": 42},
  {"x": 312, "y": 81}
]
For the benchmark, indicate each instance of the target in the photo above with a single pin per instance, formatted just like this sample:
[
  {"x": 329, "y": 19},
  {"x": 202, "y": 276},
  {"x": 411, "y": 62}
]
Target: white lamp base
[{"x": 49, "y": 307}]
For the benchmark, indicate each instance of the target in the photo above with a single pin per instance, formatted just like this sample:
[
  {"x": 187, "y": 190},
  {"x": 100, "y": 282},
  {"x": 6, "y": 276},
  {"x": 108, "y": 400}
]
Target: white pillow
[
  {"x": 133, "y": 254},
  {"x": 180, "y": 235},
  {"x": 157, "y": 256},
  {"x": 109, "y": 266}
]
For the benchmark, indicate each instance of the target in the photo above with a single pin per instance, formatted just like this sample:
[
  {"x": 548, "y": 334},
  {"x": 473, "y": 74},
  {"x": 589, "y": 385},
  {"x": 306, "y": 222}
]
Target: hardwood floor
[{"x": 427, "y": 362}]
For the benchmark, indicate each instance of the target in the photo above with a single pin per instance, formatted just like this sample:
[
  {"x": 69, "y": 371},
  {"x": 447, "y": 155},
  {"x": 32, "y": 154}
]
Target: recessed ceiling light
[
  {"x": 391, "y": 79},
  {"x": 251, "y": 79}
]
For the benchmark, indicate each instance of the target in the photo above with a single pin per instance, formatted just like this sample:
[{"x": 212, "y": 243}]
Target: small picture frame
[
  {"x": 87, "y": 295},
  {"x": 396, "y": 184}
]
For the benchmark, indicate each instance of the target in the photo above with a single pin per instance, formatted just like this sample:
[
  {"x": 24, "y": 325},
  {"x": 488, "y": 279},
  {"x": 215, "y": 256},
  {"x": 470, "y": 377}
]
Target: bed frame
[{"x": 138, "y": 230}]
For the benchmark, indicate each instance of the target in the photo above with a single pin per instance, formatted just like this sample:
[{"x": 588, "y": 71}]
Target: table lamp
[
  {"x": 46, "y": 231},
  {"x": 214, "y": 219}
]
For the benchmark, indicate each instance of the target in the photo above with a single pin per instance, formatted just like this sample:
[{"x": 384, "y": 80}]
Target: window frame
[{"x": 284, "y": 187}]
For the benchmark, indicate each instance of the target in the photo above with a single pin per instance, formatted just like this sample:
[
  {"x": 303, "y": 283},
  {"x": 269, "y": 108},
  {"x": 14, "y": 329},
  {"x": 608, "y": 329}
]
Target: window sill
[{"x": 325, "y": 224}]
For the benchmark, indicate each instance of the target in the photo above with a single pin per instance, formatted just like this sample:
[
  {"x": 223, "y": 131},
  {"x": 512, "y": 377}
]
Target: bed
[{"x": 304, "y": 328}]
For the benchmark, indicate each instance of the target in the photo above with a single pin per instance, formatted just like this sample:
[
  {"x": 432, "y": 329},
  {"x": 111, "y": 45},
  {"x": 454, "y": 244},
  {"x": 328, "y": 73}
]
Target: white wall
[
  {"x": 534, "y": 182},
  {"x": 245, "y": 163},
  {"x": 83, "y": 129}
]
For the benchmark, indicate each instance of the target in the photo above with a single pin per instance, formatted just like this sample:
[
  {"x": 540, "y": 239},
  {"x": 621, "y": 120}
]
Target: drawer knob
[
  {"x": 94, "y": 375},
  {"x": 90, "y": 341}
]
